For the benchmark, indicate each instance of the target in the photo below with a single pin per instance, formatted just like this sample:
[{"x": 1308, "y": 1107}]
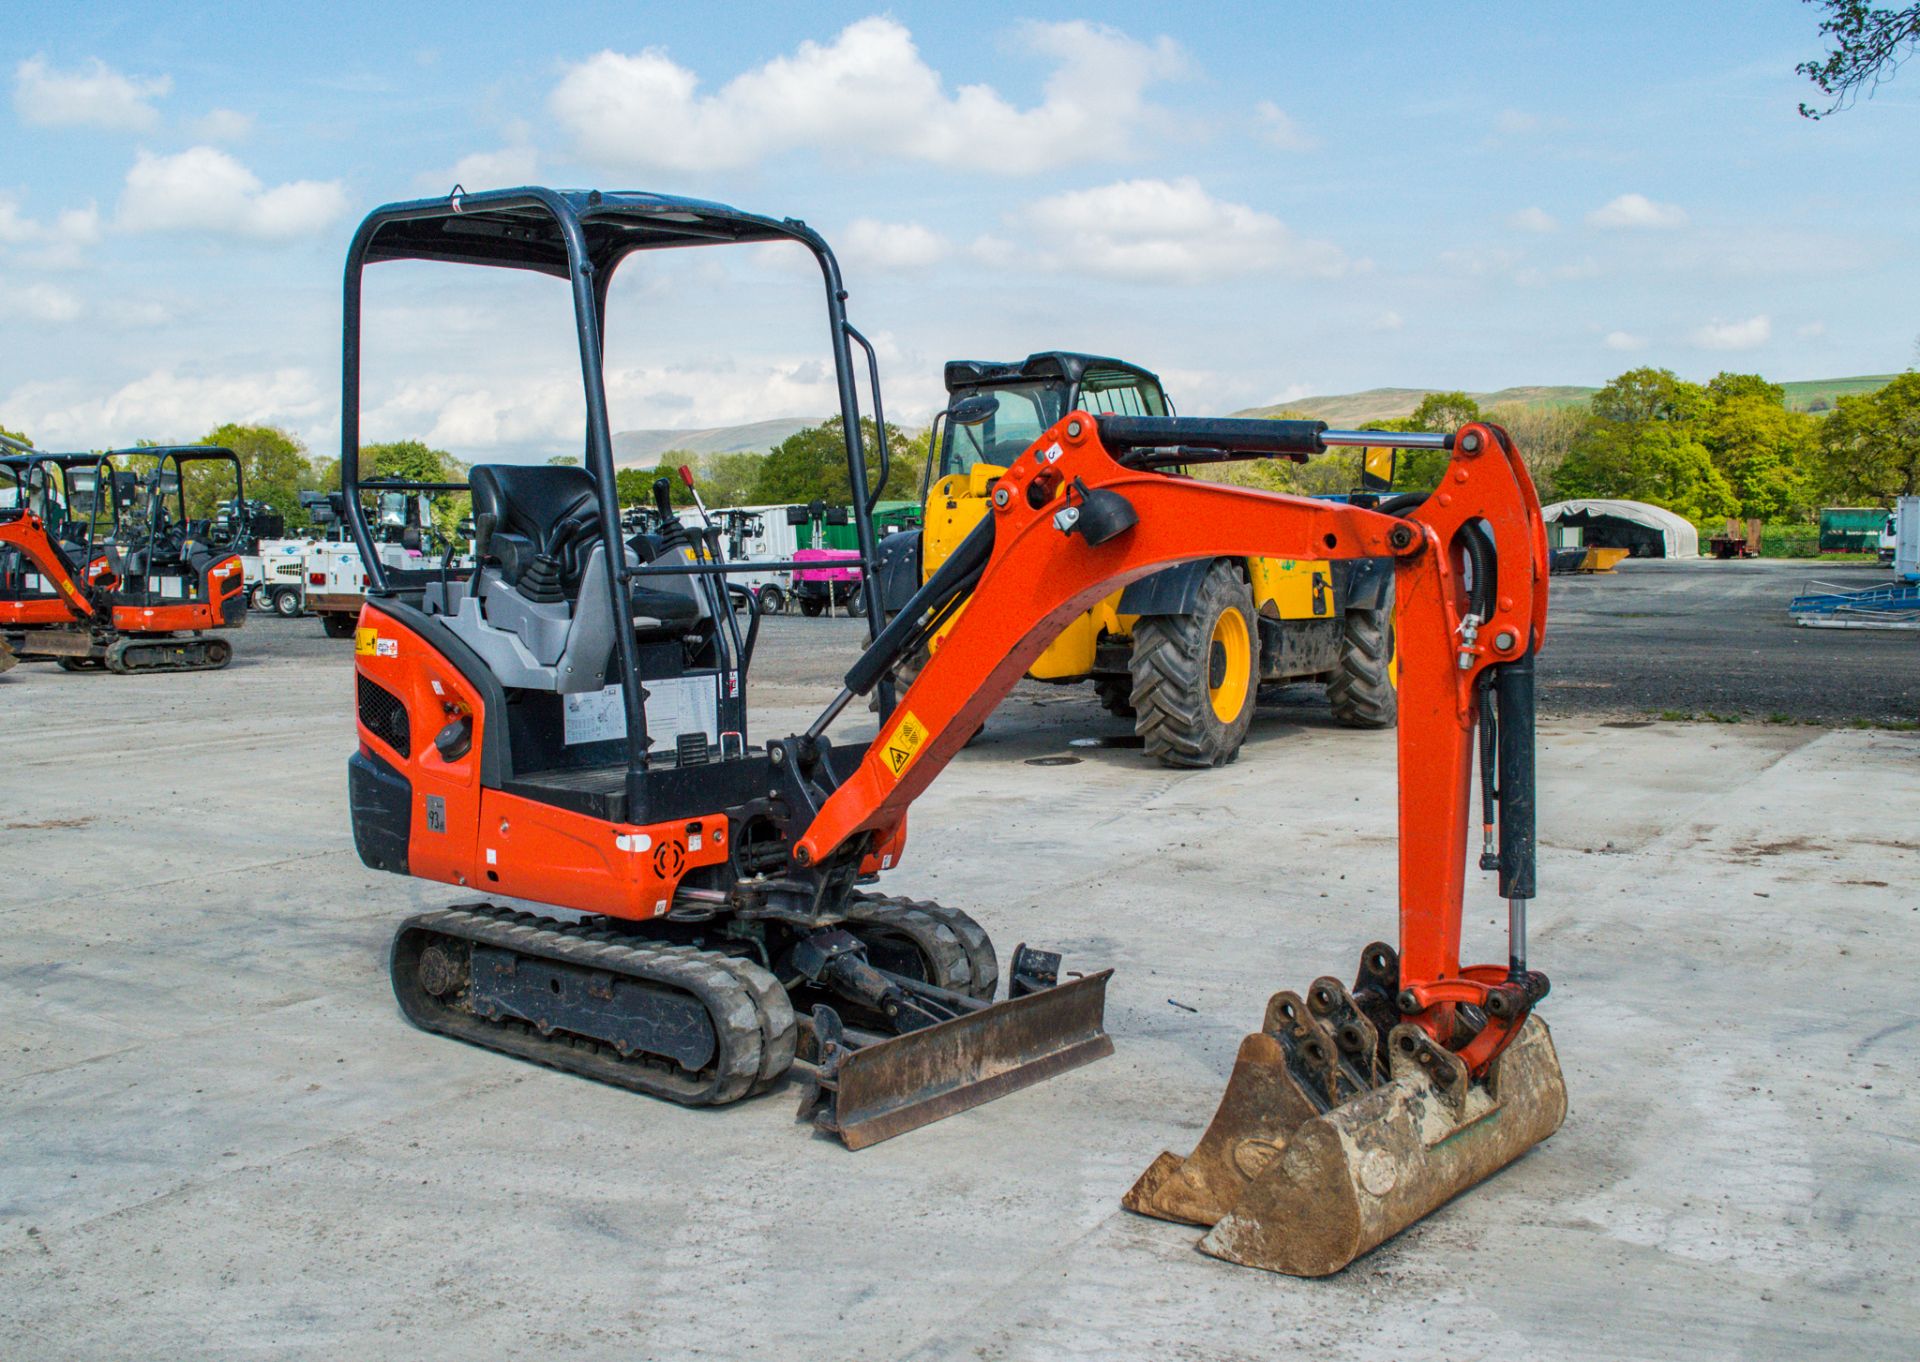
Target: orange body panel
[
  {"x": 28, "y": 533},
  {"x": 506, "y": 842}
]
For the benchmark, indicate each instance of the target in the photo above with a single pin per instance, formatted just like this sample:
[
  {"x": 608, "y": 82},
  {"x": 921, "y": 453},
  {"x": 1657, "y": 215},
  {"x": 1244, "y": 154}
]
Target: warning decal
[
  {"x": 364, "y": 641},
  {"x": 903, "y": 745}
]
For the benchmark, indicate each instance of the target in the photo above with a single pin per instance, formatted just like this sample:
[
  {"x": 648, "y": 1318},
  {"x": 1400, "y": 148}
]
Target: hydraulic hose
[{"x": 955, "y": 577}]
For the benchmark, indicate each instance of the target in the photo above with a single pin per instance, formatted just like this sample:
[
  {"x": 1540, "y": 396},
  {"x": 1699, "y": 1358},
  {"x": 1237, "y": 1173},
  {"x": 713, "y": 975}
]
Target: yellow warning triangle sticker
[{"x": 904, "y": 745}]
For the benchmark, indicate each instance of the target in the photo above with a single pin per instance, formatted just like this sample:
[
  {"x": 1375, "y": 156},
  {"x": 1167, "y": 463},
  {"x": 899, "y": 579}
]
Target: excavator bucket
[
  {"x": 872, "y": 1092},
  {"x": 7, "y": 659},
  {"x": 1327, "y": 1144}
]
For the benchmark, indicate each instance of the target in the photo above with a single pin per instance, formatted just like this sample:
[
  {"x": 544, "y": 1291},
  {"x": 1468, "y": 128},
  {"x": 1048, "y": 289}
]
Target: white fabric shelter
[{"x": 1679, "y": 536}]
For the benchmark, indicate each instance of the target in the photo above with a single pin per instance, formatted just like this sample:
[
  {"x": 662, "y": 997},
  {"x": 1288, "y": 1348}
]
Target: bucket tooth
[
  {"x": 1355, "y": 1176},
  {"x": 874, "y": 1092}
]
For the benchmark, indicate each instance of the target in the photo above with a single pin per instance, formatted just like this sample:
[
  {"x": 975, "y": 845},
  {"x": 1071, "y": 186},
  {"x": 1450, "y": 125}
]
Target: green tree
[
  {"x": 273, "y": 464},
  {"x": 1543, "y": 433},
  {"x": 634, "y": 486},
  {"x": 727, "y": 479},
  {"x": 1868, "y": 47},
  {"x": 811, "y": 465},
  {"x": 418, "y": 462},
  {"x": 563, "y": 461},
  {"x": 1868, "y": 450},
  {"x": 19, "y": 435},
  {"x": 1761, "y": 447},
  {"x": 1420, "y": 470},
  {"x": 1641, "y": 395},
  {"x": 1724, "y": 387},
  {"x": 1653, "y": 461}
]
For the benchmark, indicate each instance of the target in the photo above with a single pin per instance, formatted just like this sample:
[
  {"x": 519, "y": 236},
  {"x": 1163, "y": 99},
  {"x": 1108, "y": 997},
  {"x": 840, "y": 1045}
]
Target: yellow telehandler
[{"x": 1183, "y": 652}]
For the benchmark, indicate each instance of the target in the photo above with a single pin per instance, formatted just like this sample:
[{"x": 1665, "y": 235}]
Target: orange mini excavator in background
[
  {"x": 568, "y": 724},
  {"x": 139, "y": 583}
]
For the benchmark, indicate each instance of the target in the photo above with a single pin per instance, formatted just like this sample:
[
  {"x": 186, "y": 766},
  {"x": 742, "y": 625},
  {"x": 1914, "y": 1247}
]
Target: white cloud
[
  {"x": 1532, "y": 220},
  {"x": 1281, "y": 129},
  {"x": 1811, "y": 331},
  {"x": 61, "y": 244},
  {"x": 867, "y": 91},
  {"x": 1534, "y": 276},
  {"x": 1389, "y": 321},
  {"x": 1637, "y": 210},
  {"x": 1479, "y": 262},
  {"x": 541, "y": 413},
  {"x": 94, "y": 96},
  {"x": 1747, "y": 335},
  {"x": 1514, "y": 122},
  {"x": 222, "y": 125},
  {"x": 1621, "y": 340},
  {"x": 1171, "y": 231},
  {"x": 15, "y": 229},
  {"x": 893, "y": 245},
  {"x": 506, "y": 167},
  {"x": 42, "y": 302},
  {"x": 204, "y": 189},
  {"x": 169, "y": 405}
]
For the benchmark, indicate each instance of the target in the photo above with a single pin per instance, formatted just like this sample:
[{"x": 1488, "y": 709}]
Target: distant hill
[
  {"x": 1385, "y": 404},
  {"x": 646, "y": 446}
]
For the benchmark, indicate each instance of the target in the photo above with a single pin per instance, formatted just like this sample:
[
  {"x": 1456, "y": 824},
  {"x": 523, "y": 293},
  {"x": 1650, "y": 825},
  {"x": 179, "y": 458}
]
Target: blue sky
[{"x": 1260, "y": 202}]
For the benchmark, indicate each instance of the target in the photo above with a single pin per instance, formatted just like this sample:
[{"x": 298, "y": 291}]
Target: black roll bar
[{"x": 649, "y": 222}]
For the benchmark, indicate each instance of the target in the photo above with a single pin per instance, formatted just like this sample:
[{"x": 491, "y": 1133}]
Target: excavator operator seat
[{"x": 537, "y": 605}]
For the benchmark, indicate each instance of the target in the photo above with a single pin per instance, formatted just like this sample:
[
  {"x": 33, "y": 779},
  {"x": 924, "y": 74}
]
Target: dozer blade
[
  {"x": 891, "y": 1086},
  {"x": 1310, "y": 1162}
]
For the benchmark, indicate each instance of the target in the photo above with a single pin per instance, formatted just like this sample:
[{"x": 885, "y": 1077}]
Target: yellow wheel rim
[{"x": 1229, "y": 665}]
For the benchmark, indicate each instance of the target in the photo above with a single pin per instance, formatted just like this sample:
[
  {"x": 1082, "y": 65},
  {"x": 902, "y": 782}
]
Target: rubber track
[
  {"x": 168, "y": 660},
  {"x": 1173, "y": 715},
  {"x": 754, "y": 1022},
  {"x": 959, "y": 947},
  {"x": 1361, "y": 691}
]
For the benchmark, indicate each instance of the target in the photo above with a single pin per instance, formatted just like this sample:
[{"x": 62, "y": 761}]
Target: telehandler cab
[
  {"x": 1182, "y": 652},
  {"x": 154, "y": 578},
  {"x": 568, "y": 724}
]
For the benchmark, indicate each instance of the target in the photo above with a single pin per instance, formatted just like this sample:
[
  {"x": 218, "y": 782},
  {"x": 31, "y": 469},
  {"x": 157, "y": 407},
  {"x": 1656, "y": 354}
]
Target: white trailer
[
  {"x": 754, "y": 534},
  {"x": 337, "y": 579},
  {"x": 276, "y": 575}
]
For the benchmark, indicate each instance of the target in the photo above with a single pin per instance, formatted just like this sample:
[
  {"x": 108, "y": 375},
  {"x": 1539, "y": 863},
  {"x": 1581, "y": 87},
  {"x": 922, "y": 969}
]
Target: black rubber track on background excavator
[{"x": 126, "y": 656}]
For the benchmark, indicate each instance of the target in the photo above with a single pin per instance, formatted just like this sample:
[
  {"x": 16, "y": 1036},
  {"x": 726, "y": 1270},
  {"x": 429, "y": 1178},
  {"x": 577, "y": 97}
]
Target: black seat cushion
[{"x": 551, "y": 507}]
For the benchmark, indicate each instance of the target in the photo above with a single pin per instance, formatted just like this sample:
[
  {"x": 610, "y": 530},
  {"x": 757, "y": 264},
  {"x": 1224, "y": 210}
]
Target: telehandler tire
[
  {"x": 1362, "y": 691},
  {"x": 1195, "y": 675}
]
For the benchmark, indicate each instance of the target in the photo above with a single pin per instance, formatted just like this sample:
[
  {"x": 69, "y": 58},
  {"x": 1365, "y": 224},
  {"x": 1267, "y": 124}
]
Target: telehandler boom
[{"x": 568, "y": 724}]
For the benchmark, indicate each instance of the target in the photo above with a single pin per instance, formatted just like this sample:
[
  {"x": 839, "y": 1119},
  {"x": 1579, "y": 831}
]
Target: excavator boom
[{"x": 1352, "y": 1113}]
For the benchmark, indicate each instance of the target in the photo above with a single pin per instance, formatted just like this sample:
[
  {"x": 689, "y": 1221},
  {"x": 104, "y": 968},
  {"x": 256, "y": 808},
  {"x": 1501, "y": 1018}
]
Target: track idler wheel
[{"x": 1327, "y": 1143}]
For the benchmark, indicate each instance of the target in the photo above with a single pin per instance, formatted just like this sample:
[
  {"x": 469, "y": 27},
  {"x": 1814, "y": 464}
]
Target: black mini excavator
[{"x": 567, "y": 723}]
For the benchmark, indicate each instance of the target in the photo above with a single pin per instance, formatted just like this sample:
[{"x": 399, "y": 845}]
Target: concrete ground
[{"x": 218, "y": 1139}]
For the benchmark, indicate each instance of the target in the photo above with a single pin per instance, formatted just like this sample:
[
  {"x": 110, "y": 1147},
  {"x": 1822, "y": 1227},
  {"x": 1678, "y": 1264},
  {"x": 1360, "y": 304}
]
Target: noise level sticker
[{"x": 904, "y": 745}]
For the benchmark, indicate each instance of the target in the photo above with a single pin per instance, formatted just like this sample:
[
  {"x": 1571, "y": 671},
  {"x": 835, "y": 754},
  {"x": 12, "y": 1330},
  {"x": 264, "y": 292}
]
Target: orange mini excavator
[
  {"x": 115, "y": 561},
  {"x": 567, "y": 724}
]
